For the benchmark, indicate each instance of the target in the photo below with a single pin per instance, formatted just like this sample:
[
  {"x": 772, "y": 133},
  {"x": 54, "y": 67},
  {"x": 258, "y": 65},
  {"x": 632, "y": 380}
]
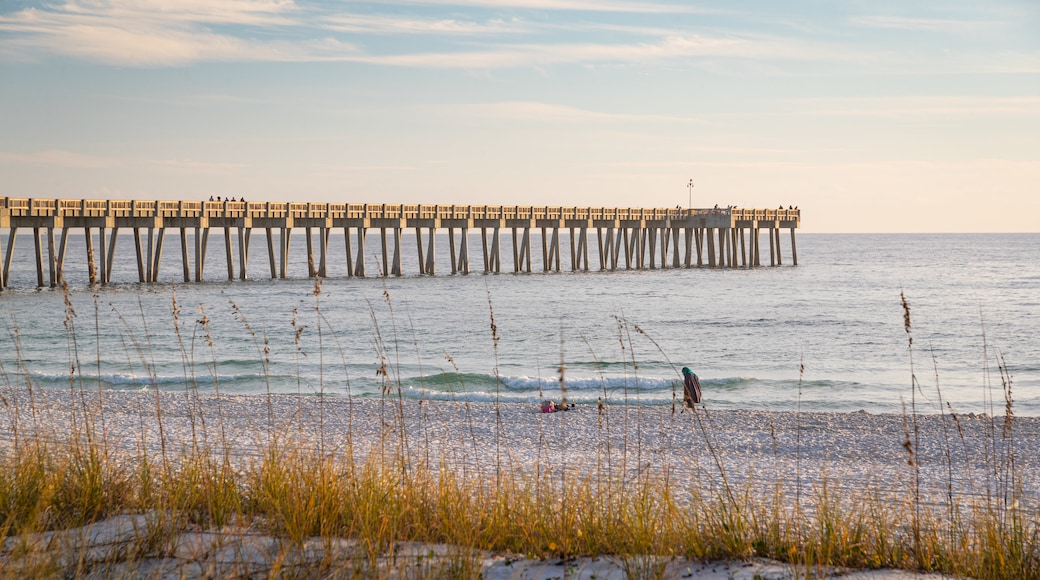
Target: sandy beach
[
  {"x": 691, "y": 451},
  {"x": 849, "y": 450}
]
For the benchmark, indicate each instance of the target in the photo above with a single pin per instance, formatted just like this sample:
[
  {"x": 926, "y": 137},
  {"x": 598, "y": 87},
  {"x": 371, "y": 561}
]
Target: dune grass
[{"x": 399, "y": 491}]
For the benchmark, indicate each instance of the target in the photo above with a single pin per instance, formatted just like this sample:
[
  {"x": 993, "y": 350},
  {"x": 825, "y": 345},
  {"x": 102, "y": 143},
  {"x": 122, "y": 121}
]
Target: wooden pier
[{"x": 625, "y": 238}]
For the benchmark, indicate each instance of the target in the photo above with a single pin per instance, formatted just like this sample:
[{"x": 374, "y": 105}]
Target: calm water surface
[{"x": 825, "y": 335}]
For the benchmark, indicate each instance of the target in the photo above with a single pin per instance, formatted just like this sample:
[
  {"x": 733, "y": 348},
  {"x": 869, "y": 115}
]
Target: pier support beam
[
  {"x": 385, "y": 270},
  {"x": 772, "y": 246},
  {"x": 688, "y": 258},
  {"x": 60, "y": 260},
  {"x": 734, "y": 234},
  {"x": 150, "y": 255},
  {"x": 629, "y": 238},
  {"x": 103, "y": 255},
  {"x": 309, "y": 235},
  {"x": 621, "y": 243},
  {"x": 111, "y": 256},
  {"x": 5, "y": 267},
  {"x": 464, "y": 250},
  {"x": 522, "y": 255},
  {"x": 551, "y": 250},
  {"x": 140, "y": 257},
  {"x": 699, "y": 238},
  {"x": 634, "y": 247},
  {"x": 38, "y": 245},
  {"x": 91, "y": 264},
  {"x": 460, "y": 260},
  {"x": 350, "y": 252},
  {"x": 427, "y": 260},
  {"x": 779, "y": 258},
  {"x": 711, "y": 247},
  {"x": 243, "y": 251},
  {"x": 492, "y": 254},
  {"x": 229, "y": 254},
  {"x": 201, "y": 241},
  {"x": 651, "y": 241},
  {"x": 359, "y": 264},
  {"x": 580, "y": 249},
  {"x": 52, "y": 258},
  {"x": 599, "y": 247},
  {"x": 608, "y": 257},
  {"x": 756, "y": 238},
  {"x": 676, "y": 259},
  {"x": 794, "y": 249},
  {"x": 154, "y": 265},
  {"x": 284, "y": 238},
  {"x": 419, "y": 249},
  {"x": 185, "y": 264},
  {"x": 270, "y": 253},
  {"x": 516, "y": 251},
  {"x": 724, "y": 253},
  {"x": 323, "y": 248},
  {"x": 431, "y": 253},
  {"x": 662, "y": 240},
  {"x": 451, "y": 250},
  {"x": 398, "y": 236}
]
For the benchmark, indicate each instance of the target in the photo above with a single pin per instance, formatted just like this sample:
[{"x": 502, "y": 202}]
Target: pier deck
[{"x": 625, "y": 238}]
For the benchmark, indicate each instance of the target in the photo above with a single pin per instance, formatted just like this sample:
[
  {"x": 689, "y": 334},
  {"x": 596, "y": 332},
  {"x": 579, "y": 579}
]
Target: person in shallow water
[{"x": 691, "y": 387}]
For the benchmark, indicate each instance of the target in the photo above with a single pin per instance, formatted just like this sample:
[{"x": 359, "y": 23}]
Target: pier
[{"x": 623, "y": 238}]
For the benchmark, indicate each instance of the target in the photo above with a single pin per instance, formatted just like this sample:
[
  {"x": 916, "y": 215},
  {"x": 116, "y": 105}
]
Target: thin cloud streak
[
  {"x": 922, "y": 105},
  {"x": 534, "y": 111},
  {"x": 58, "y": 158},
  {"x": 569, "y": 5},
  {"x": 147, "y": 33},
  {"x": 661, "y": 50},
  {"x": 927, "y": 24},
  {"x": 71, "y": 159},
  {"x": 981, "y": 165},
  {"x": 164, "y": 47},
  {"x": 243, "y": 12},
  {"x": 385, "y": 24}
]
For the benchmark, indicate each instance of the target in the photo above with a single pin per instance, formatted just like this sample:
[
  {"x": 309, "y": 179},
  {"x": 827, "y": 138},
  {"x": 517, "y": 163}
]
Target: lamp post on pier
[{"x": 689, "y": 187}]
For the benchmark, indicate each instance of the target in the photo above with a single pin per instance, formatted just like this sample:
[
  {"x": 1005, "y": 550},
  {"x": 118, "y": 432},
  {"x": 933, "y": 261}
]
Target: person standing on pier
[{"x": 691, "y": 387}]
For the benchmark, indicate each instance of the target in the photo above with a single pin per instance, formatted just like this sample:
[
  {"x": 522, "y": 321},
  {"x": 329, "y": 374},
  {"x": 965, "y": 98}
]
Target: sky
[{"x": 879, "y": 116}]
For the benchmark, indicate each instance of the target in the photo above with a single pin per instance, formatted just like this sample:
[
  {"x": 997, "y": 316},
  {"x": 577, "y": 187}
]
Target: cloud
[
  {"x": 534, "y": 111},
  {"x": 571, "y": 5},
  {"x": 243, "y": 12},
  {"x": 385, "y": 24},
  {"x": 656, "y": 50},
  {"x": 156, "y": 33},
  {"x": 59, "y": 158},
  {"x": 926, "y": 24},
  {"x": 923, "y": 105},
  {"x": 71, "y": 159},
  {"x": 194, "y": 166}
]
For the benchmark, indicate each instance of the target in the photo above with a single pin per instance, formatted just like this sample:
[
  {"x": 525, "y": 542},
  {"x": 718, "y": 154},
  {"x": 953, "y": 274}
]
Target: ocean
[{"x": 826, "y": 335}]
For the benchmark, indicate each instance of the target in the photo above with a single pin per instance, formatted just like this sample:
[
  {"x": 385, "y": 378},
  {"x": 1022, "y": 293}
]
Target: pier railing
[
  {"x": 33, "y": 207},
  {"x": 627, "y": 237}
]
